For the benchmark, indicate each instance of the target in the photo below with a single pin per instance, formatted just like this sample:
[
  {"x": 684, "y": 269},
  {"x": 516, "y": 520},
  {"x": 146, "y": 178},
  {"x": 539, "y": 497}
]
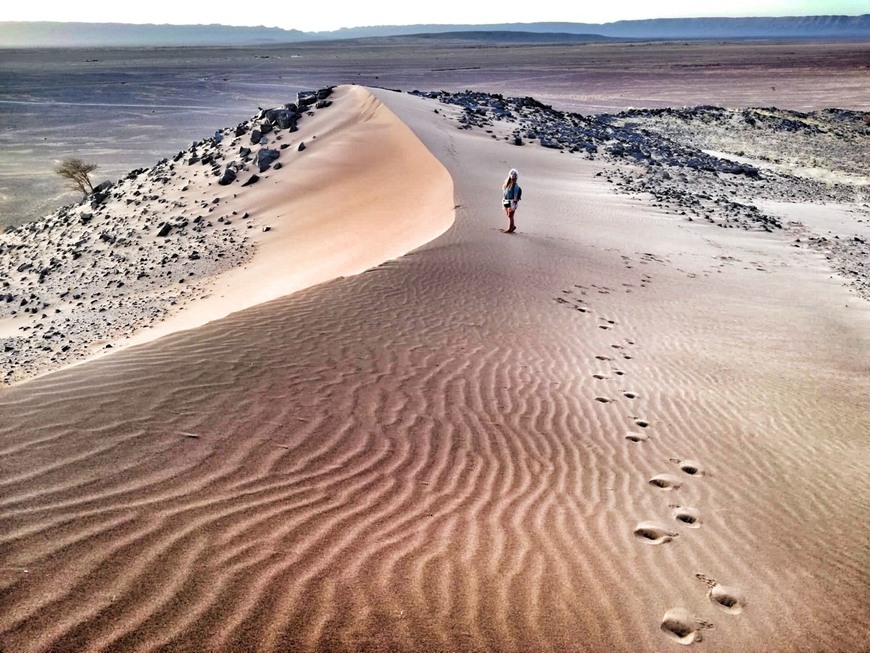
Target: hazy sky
[{"x": 328, "y": 15}]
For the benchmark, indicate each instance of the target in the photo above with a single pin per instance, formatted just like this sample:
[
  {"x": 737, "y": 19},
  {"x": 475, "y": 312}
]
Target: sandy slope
[
  {"x": 342, "y": 196},
  {"x": 366, "y": 192},
  {"x": 493, "y": 443}
]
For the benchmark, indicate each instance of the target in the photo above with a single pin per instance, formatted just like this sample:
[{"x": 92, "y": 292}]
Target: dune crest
[{"x": 259, "y": 211}]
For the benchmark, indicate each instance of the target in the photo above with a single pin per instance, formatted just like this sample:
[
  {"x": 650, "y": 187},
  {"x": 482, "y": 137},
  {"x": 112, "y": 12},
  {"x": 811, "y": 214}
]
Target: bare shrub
[{"x": 78, "y": 173}]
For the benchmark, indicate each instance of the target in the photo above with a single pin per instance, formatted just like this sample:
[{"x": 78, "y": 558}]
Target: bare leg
[{"x": 510, "y": 215}]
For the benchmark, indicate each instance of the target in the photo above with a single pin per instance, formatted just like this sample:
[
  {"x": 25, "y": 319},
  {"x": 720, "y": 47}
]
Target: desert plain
[{"x": 337, "y": 409}]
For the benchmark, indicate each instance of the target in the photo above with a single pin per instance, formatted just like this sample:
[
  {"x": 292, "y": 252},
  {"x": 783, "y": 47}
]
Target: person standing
[{"x": 511, "y": 196}]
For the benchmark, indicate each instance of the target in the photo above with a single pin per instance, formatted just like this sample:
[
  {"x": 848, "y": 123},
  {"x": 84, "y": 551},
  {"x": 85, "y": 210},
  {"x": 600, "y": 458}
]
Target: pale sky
[{"x": 319, "y": 15}]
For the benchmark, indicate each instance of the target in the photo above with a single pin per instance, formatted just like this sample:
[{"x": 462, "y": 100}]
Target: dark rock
[
  {"x": 240, "y": 130},
  {"x": 265, "y": 157},
  {"x": 86, "y": 217},
  {"x": 287, "y": 119},
  {"x": 324, "y": 93},
  {"x": 98, "y": 198},
  {"x": 301, "y": 146},
  {"x": 306, "y": 98},
  {"x": 228, "y": 177},
  {"x": 265, "y": 127},
  {"x": 267, "y": 228},
  {"x": 252, "y": 180},
  {"x": 256, "y": 135},
  {"x": 518, "y": 140},
  {"x": 103, "y": 187},
  {"x": 277, "y": 166},
  {"x": 164, "y": 230},
  {"x": 322, "y": 104}
]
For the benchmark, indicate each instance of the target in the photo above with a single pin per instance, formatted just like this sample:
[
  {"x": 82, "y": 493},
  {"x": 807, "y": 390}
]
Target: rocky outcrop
[{"x": 136, "y": 249}]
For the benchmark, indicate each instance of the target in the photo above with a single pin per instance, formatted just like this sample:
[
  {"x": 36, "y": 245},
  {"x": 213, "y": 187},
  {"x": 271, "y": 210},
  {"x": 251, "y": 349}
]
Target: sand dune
[{"x": 613, "y": 430}]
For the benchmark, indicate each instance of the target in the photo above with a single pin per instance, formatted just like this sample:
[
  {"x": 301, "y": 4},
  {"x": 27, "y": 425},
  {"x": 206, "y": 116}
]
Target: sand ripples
[{"x": 405, "y": 460}]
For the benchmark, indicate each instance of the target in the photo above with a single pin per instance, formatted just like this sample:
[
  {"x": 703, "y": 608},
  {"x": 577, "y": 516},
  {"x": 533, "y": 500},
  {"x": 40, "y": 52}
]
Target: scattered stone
[
  {"x": 228, "y": 177},
  {"x": 265, "y": 157}
]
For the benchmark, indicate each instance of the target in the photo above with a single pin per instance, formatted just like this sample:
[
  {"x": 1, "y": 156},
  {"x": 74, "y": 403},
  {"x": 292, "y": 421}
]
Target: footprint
[
  {"x": 688, "y": 516},
  {"x": 618, "y": 372},
  {"x": 642, "y": 423},
  {"x": 603, "y": 358},
  {"x": 600, "y": 376},
  {"x": 636, "y": 437},
  {"x": 690, "y": 467},
  {"x": 653, "y": 533},
  {"x": 728, "y": 599},
  {"x": 630, "y": 395},
  {"x": 604, "y": 326},
  {"x": 603, "y": 400},
  {"x": 681, "y": 627},
  {"x": 616, "y": 346},
  {"x": 666, "y": 482}
]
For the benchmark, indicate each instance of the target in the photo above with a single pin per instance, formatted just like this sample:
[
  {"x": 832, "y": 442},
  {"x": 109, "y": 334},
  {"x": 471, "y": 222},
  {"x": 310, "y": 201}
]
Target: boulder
[
  {"x": 265, "y": 127},
  {"x": 322, "y": 104},
  {"x": 98, "y": 198},
  {"x": 165, "y": 228},
  {"x": 265, "y": 157},
  {"x": 101, "y": 188},
  {"x": 228, "y": 177},
  {"x": 244, "y": 152},
  {"x": 252, "y": 180},
  {"x": 306, "y": 98},
  {"x": 324, "y": 93},
  {"x": 256, "y": 135},
  {"x": 287, "y": 119}
]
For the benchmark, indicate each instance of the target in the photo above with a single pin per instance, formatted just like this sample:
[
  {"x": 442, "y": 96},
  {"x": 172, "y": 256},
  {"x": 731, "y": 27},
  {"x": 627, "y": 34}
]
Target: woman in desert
[{"x": 512, "y": 194}]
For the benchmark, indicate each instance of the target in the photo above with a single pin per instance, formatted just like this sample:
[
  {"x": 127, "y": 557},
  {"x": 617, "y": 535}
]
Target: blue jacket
[{"x": 513, "y": 193}]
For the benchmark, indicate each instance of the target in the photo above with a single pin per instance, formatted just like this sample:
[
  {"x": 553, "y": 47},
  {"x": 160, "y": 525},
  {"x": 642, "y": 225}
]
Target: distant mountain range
[{"x": 47, "y": 34}]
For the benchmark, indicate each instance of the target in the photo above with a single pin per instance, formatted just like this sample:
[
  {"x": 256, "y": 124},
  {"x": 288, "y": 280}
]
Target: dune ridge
[
  {"x": 419, "y": 457},
  {"x": 259, "y": 211}
]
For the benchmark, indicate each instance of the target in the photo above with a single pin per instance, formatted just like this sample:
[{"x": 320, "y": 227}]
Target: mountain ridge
[{"x": 18, "y": 34}]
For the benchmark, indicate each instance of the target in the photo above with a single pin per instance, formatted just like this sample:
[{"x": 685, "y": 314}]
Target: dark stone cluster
[{"x": 573, "y": 132}]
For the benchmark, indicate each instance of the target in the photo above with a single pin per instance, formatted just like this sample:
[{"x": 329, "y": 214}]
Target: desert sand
[{"x": 615, "y": 430}]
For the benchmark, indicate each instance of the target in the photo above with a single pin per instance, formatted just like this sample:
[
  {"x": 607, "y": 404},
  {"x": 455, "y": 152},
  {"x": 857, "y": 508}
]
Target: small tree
[{"x": 78, "y": 173}]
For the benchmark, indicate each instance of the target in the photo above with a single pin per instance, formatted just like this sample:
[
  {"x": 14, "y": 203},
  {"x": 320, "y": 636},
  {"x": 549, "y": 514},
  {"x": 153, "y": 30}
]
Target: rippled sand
[{"x": 610, "y": 431}]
